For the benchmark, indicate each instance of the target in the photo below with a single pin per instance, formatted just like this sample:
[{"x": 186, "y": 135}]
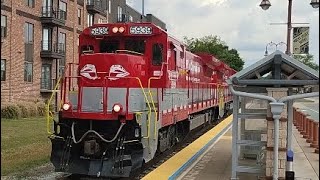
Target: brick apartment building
[{"x": 38, "y": 38}]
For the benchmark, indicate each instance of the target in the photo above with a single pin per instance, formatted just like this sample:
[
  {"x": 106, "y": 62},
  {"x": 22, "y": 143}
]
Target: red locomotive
[{"x": 136, "y": 91}]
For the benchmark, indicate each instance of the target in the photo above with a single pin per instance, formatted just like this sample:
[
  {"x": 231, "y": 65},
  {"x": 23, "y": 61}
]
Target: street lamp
[
  {"x": 273, "y": 44},
  {"x": 314, "y": 3},
  {"x": 265, "y": 4}
]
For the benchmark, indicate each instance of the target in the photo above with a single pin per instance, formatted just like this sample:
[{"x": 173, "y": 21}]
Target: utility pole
[
  {"x": 289, "y": 27},
  {"x": 142, "y": 14}
]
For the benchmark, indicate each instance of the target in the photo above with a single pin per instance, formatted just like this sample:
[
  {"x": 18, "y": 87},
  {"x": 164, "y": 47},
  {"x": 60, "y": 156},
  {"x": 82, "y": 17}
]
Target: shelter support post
[{"x": 235, "y": 137}]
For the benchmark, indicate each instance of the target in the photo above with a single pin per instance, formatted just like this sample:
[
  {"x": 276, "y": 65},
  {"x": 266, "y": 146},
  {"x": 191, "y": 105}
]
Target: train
[{"x": 135, "y": 92}]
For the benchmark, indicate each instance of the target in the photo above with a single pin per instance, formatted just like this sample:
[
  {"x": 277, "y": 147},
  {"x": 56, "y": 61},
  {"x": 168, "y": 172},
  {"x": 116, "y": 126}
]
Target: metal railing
[
  {"x": 47, "y": 45},
  {"x": 47, "y": 83},
  {"x": 95, "y": 3},
  {"x": 122, "y": 18},
  {"x": 48, "y": 11}
]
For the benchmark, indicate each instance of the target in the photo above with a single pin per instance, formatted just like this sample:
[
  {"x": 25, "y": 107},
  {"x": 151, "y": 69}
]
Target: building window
[
  {"x": 28, "y": 41},
  {"x": 120, "y": 14},
  {"x": 100, "y": 21},
  {"x": 3, "y": 26},
  {"x": 109, "y": 8},
  {"x": 63, "y": 10},
  {"x": 130, "y": 18},
  {"x": 30, "y": 3},
  {"x": 3, "y": 69},
  {"x": 79, "y": 16},
  {"x": 28, "y": 33},
  {"x": 28, "y": 71},
  {"x": 46, "y": 39},
  {"x": 90, "y": 20},
  {"x": 46, "y": 82},
  {"x": 62, "y": 42},
  {"x": 62, "y": 64}
]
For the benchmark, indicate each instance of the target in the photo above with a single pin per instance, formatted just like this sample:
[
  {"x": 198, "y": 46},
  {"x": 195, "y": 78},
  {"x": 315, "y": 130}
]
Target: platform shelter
[{"x": 262, "y": 135}]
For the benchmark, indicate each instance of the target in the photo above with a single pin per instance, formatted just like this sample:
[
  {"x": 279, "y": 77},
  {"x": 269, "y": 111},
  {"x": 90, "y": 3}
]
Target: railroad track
[{"x": 159, "y": 159}]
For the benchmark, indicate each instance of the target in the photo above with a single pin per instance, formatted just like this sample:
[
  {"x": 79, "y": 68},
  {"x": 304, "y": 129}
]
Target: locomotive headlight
[
  {"x": 66, "y": 106},
  {"x": 117, "y": 108},
  {"x": 115, "y": 29},
  {"x": 121, "y": 29}
]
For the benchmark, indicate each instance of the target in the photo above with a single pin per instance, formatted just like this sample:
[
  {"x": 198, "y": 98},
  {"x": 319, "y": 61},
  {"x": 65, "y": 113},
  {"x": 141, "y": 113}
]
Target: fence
[{"x": 307, "y": 126}]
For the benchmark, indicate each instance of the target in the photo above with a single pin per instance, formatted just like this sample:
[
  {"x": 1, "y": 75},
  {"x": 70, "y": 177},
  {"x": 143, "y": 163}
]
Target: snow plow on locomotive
[{"x": 135, "y": 91}]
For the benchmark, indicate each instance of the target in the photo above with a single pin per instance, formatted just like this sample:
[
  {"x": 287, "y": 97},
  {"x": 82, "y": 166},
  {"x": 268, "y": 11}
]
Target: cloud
[{"x": 242, "y": 24}]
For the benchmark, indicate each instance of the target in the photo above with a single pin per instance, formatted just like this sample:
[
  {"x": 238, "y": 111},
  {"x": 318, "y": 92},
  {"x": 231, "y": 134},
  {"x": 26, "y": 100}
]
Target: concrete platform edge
[{"x": 201, "y": 151}]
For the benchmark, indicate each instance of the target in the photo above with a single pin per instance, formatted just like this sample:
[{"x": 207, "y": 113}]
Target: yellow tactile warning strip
[{"x": 174, "y": 166}]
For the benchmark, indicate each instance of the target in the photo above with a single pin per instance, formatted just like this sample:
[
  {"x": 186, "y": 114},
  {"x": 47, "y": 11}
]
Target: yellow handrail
[
  {"x": 221, "y": 96},
  {"x": 49, "y": 114},
  {"x": 153, "y": 105},
  {"x": 149, "y": 112}
]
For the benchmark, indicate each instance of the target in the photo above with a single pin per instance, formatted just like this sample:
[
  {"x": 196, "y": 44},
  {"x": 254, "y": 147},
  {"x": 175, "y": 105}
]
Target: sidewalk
[
  {"x": 215, "y": 163},
  {"x": 305, "y": 161}
]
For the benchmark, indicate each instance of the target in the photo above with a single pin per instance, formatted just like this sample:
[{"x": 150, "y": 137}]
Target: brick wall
[{"x": 14, "y": 88}]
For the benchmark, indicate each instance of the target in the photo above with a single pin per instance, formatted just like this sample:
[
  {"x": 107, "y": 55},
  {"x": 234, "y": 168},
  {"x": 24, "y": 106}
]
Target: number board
[
  {"x": 99, "y": 31},
  {"x": 140, "y": 30}
]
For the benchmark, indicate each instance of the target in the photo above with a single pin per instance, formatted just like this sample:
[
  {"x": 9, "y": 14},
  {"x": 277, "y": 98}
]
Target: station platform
[{"x": 209, "y": 158}]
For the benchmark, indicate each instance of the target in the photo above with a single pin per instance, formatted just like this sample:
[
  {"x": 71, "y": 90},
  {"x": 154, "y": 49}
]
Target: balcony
[
  {"x": 122, "y": 18},
  {"x": 53, "y": 17},
  {"x": 47, "y": 85},
  {"x": 52, "y": 50},
  {"x": 95, "y": 6}
]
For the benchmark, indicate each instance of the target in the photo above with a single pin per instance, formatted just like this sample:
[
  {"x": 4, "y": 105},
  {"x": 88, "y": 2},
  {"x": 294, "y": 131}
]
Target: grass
[{"x": 24, "y": 144}]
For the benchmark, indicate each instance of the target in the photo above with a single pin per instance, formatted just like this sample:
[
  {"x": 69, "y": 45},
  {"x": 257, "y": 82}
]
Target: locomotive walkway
[{"x": 209, "y": 157}]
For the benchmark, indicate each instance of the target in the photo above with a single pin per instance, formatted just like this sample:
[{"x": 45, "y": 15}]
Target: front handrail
[{"x": 49, "y": 114}]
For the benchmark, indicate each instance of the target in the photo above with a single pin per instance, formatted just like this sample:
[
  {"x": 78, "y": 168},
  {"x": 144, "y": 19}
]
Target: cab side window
[{"x": 157, "y": 54}]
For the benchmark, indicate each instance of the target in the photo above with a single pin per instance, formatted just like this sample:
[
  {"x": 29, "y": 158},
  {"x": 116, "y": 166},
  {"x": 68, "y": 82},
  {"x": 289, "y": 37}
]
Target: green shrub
[
  {"x": 41, "y": 108},
  {"x": 10, "y": 111},
  {"x": 33, "y": 112},
  {"x": 24, "y": 110}
]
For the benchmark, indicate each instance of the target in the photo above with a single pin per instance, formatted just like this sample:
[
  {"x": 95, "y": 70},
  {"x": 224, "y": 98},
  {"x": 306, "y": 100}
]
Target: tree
[
  {"x": 213, "y": 45},
  {"x": 307, "y": 60}
]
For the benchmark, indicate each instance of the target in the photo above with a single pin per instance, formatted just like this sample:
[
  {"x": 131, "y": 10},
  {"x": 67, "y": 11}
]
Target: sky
[{"x": 242, "y": 24}]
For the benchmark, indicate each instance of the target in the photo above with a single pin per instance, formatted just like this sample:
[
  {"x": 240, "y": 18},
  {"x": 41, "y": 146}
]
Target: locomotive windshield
[
  {"x": 109, "y": 46},
  {"x": 135, "y": 45},
  {"x": 129, "y": 45}
]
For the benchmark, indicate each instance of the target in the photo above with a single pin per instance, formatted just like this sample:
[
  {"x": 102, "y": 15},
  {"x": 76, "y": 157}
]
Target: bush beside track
[{"x": 22, "y": 110}]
